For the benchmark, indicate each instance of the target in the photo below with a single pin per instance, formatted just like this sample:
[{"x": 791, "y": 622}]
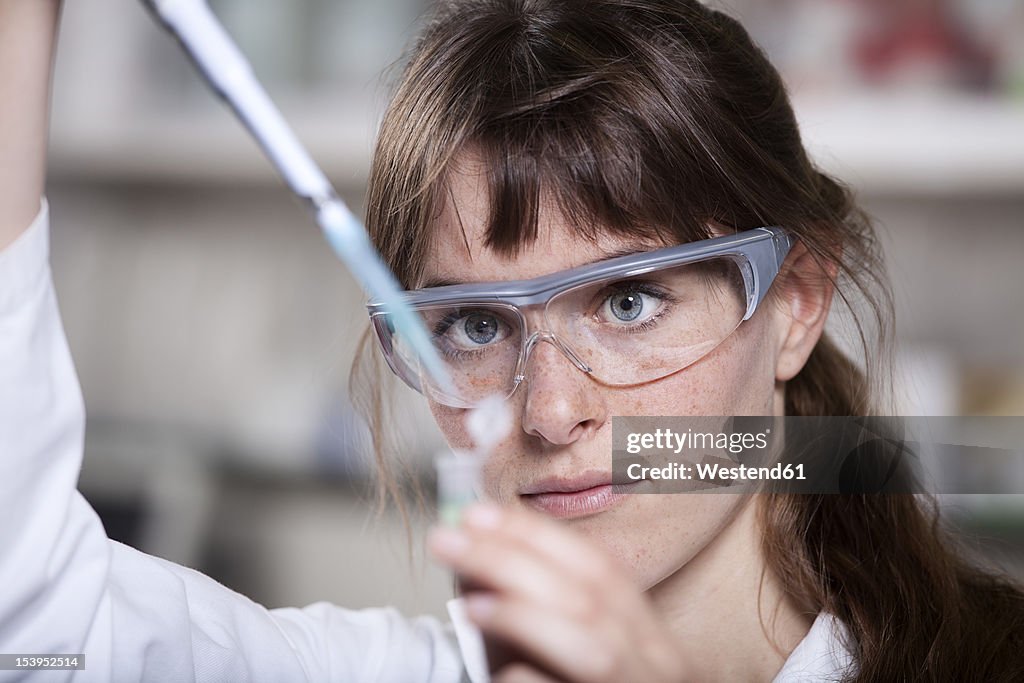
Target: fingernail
[
  {"x": 480, "y": 607},
  {"x": 483, "y": 516},
  {"x": 448, "y": 543}
]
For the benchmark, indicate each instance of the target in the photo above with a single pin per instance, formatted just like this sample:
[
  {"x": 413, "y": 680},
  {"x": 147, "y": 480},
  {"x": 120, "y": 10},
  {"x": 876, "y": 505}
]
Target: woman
[
  {"x": 530, "y": 137},
  {"x": 527, "y": 138}
]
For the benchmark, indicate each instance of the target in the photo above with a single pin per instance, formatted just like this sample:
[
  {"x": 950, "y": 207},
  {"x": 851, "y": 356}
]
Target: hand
[{"x": 566, "y": 610}]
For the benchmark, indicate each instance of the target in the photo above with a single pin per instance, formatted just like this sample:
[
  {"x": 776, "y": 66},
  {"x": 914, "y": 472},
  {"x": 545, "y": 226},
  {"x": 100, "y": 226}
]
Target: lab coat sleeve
[{"x": 66, "y": 588}]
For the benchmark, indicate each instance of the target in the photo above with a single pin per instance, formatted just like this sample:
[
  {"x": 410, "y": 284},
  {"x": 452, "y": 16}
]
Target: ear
[{"x": 803, "y": 302}]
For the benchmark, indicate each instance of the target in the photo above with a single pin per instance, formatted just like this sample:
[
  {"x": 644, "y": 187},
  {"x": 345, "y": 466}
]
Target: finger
[
  {"x": 497, "y": 563},
  {"x": 560, "y": 545},
  {"x": 593, "y": 651},
  {"x": 570, "y": 649}
]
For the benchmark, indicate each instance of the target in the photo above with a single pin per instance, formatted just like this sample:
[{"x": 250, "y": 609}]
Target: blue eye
[
  {"x": 632, "y": 302},
  {"x": 471, "y": 330},
  {"x": 626, "y": 306},
  {"x": 481, "y": 328}
]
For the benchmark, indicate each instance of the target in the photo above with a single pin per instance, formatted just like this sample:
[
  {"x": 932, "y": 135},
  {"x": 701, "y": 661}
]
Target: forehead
[{"x": 458, "y": 253}]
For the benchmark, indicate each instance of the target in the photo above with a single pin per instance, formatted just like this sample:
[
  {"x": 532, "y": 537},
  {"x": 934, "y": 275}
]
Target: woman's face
[{"x": 563, "y": 417}]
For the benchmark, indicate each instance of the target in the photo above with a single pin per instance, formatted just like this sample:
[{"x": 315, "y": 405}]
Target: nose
[{"x": 562, "y": 404}]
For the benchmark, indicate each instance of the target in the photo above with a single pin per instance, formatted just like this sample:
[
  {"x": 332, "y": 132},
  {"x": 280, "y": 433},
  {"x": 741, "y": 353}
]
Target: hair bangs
[{"x": 576, "y": 156}]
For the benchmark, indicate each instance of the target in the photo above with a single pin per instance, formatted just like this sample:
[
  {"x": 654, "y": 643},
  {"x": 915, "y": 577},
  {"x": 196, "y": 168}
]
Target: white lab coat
[{"x": 66, "y": 588}]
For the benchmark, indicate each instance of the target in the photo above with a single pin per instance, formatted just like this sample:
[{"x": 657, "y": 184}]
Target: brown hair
[{"x": 655, "y": 119}]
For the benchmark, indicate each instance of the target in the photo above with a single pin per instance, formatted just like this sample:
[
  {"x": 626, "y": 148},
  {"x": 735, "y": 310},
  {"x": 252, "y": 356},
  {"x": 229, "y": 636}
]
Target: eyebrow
[{"x": 624, "y": 251}]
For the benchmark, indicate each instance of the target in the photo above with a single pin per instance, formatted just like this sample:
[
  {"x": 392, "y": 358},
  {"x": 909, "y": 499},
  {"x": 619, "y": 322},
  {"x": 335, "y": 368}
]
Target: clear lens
[
  {"x": 641, "y": 328},
  {"x": 627, "y": 331},
  {"x": 479, "y": 344}
]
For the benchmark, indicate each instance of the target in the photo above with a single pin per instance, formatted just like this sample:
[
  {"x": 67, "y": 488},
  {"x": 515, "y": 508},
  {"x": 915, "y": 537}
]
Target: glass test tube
[{"x": 458, "y": 474}]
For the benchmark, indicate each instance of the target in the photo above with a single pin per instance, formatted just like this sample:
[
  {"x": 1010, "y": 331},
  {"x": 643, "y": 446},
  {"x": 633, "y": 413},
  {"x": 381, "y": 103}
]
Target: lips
[
  {"x": 580, "y": 482},
  {"x": 568, "y": 497}
]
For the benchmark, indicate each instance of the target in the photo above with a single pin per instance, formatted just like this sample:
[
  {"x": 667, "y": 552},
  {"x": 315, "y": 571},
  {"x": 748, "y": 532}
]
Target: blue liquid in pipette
[{"x": 352, "y": 245}]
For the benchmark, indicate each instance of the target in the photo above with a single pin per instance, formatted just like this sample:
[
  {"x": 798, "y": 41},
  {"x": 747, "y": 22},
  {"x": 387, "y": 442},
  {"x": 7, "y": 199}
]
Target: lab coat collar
[{"x": 823, "y": 654}]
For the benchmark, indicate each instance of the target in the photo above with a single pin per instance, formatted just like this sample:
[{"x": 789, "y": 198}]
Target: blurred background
[{"x": 213, "y": 330}]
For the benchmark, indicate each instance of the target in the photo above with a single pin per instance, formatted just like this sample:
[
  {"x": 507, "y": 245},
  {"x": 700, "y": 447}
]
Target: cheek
[
  {"x": 451, "y": 422},
  {"x": 744, "y": 371},
  {"x": 737, "y": 378}
]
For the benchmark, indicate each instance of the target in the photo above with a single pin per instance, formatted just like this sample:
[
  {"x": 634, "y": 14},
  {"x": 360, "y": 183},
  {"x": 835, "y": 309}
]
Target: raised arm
[
  {"x": 65, "y": 589},
  {"x": 27, "y": 36}
]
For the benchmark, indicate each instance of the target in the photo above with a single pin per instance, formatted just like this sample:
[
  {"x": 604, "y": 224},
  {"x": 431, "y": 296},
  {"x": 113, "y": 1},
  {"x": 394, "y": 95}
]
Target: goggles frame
[{"x": 759, "y": 253}]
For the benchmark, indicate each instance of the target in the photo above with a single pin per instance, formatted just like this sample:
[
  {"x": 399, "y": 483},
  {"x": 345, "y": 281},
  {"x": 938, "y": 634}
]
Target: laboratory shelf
[{"x": 934, "y": 145}]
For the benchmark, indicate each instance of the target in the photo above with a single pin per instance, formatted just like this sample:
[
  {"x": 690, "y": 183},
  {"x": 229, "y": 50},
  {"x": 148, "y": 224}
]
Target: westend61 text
[{"x": 715, "y": 472}]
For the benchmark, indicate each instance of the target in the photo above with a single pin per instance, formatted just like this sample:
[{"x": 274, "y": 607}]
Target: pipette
[{"x": 227, "y": 71}]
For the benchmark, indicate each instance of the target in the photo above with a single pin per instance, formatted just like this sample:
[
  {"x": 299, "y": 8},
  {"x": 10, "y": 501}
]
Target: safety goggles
[{"x": 623, "y": 321}]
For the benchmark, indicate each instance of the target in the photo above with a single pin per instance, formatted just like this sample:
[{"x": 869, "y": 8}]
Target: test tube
[
  {"x": 458, "y": 471},
  {"x": 458, "y": 475}
]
